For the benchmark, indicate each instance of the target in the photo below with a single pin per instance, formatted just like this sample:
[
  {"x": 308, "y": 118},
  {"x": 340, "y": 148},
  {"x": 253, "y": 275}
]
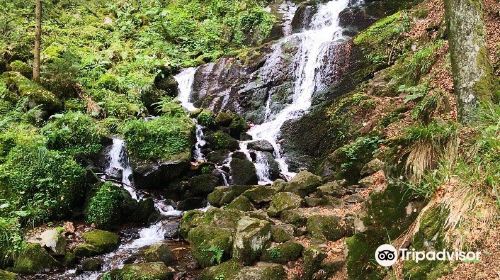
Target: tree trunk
[
  {"x": 472, "y": 72},
  {"x": 38, "y": 39}
]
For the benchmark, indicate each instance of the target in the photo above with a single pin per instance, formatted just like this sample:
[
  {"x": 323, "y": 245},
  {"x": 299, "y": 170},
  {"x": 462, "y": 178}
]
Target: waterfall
[
  {"x": 324, "y": 29},
  {"x": 119, "y": 162}
]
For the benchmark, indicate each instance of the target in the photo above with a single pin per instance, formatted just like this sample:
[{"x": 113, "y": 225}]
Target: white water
[
  {"x": 313, "y": 43},
  {"x": 118, "y": 161},
  {"x": 185, "y": 80}
]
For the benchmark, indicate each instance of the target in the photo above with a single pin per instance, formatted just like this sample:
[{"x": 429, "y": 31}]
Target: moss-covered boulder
[
  {"x": 283, "y": 201},
  {"x": 141, "y": 271},
  {"x": 243, "y": 172},
  {"x": 202, "y": 184},
  {"x": 303, "y": 183},
  {"x": 334, "y": 188},
  {"x": 262, "y": 271},
  {"x": 251, "y": 238},
  {"x": 220, "y": 140},
  {"x": 206, "y": 118},
  {"x": 294, "y": 217},
  {"x": 36, "y": 94},
  {"x": 216, "y": 217},
  {"x": 241, "y": 203},
  {"x": 372, "y": 166},
  {"x": 260, "y": 194},
  {"x": 34, "y": 259},
  {"x": 224, "y": 118},
  {"x": 282, "y": 233},
  {"x": 283, "y": 253},
  {"x": 6, "y": 275},
  {"x": 312, "y": 261},
  {"x": 92, "y": 264},
  {"x": 325, "y": 227},
  {"x": 223, "y": 195},
  {"x": 210, "y": 245},
  {"x": 21, "y": 67},
  {"x": 97, "y": 242},
  {"x": 158, "y": 253},
  {"x": 225, "y": 270}
]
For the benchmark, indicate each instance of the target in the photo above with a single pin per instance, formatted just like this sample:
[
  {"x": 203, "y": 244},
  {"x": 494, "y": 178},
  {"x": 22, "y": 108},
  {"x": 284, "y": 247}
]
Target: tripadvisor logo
[{"x": 386, "y": 255}]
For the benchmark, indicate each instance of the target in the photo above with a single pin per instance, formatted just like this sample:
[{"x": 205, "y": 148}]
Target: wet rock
[
  {"x": 251, "y": 237},
  {"x": 283, "y": 253},
  {"x": 282, "y": 233},
  {"x": 243, "y": 172},
  {"x": 97, "y": 242},
  {"x": 355, "y": 18},
  {"x": 220, "y": 140},
  {"x": 92, "y": 264},
  {"x": 283, "y": 201},
  {"x": 218, "y": 157},
  {"x": 261, "y": 271},
  {"x": 241, "y": 203},
  {"x": 223, "y": 195},
  {"x": 261, "y": 145},
  {"x": 325, "y": 227},
  {"x": 52, "y": 239},
  {"x": 260, "y": 194},
  {"x": 303, "y": 16},
  {"x": 224, "y": 118},
  {"x": 371, "y": 167},
  {"x": 191, "y": 203},
  {"x": 226, "y": 270},
  {"x": 274, "y": 168},
  {"x": 143, "y": 211},
  {"x": 303, "y": 183},
  {"x": 157, "y": 175},
  {"x": 6, "y": 275},
  {"x": 202, "y": 184},
  {"x": 34, "y": 259},
  {"x": 159, "y": 253},
  {"x": 142, "y": 271},
  {"x": 210, "y": 244}
]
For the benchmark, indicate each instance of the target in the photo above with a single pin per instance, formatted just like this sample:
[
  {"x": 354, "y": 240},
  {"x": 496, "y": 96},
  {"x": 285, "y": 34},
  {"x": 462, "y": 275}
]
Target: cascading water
[
  {"x": 118, "y": 162},
  {"x": 324, "y": 29}
]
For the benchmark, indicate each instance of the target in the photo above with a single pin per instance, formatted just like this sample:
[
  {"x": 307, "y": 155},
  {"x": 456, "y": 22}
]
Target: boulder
[
  {"x": 243, "y": 172},
  {"x": 312, "y": 261},
  {"x": 143, "y": 211},
  {"x": 251, "y": 237},
  {"x": 220, "y": 140},
  {"x": 261, "y": 145},
  {"x": 97, "y": 242},
  {"x": 283, "y": 253},
  {"x": 274, "y": 167},
  {"x": 191, "y": 203},
  {"x": 215, "y": 217},
  {"x": 294, "y": 217},
  {"x": 303, "y": 183},
  {"x": 202, "y": 184},
  {"x": 262, "y": 271},
  {"x": 241, "y": 203},
  {"x": 260, "y": 194},
  {"x": 158, "y": 253},
  {"x": 225, "y": 270},
  {"x": 52, "y": 239},
  {"x": 141, "y": 271},
  {"x": 210, "y": 244},
  {"x": 34, "y": 259},
  {"x": 92, "y": 264},
  {"x": 334, "y": 188},
  {"x": 224, "y": 194},
  {"x": 157, "y": 175},
  {"x": 376, "y": 180},
  {"x": 325, "y": 227},
  {"x": 283, "y": 201},
  {"x": 282, "y": 233},
  {"x": 218, "y": 156},
  {"x": 372, "y": 166}
]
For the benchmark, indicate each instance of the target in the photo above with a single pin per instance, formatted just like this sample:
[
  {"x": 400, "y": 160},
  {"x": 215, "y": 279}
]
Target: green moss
[
  {"x": 21, "y": 67},
  {"x": 33, "y": 91},
  {"x": 159, "y": 253},
  {"x": 220, "y": 140},
  {"x": 34, "y": 259},
  {"x": 206, "y": 118},
  {"x": 260, "y": 194},
  {"x": 142, "y": 271},
  {"x": 103, "y": 241},
  {"x": 210, "y": 245},
  {"x": 105, "y": 207},
  {"x": 165, "y": 138},
  {"x": 325, "y": 227},
  {"x": 223, "y": 271},
  {"x": 6, "y": 275},
  {"x": 283, "y": 253},
  {"x": 283, "y": 201},
  {"x": 241, "y": 203}
]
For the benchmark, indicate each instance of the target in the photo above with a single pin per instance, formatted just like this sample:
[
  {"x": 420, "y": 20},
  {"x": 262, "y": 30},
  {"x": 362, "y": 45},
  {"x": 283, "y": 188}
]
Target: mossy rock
[
  {"x": 141, "y": 271},
  {"x": 21, "y": 67},
  {"x": 206, "y": 118},
  {"x": 283, "y": 253},
  {"x": 260, "y": 194},
  {"x": 250, "y": 240},
  {"x": 159, "y": 253},
  {"x": 85, "y": 250},
  {"x": 334, "y": 188},
  {"x": 92, "y": 264},
  {"x": 6, "y": 275},
  {"x": 294, "y": 217},
  {"x": 283, "y": 201},
  {"x": 325, "y": 227},
  {"x": 225, "y": 270},
  {"x": 202, "y": 184},
  {"x": 36, "y": 94},
  {"x": 223, "y": 195},
  {"x": 241, "y": 203},
  {"x": 220, "y": 140},
  {"x": 312, "y": 261},
  {"x": 34, "y": 259},
  {"x": 103, "y": 241},
  {"x": 210, "y": 245},
  {"x": 224, "y": 118},
  {"x": 303, "y": 183},
  {"x": 189, "y": 220},
  {"x": 262, "y": 271},
  {"x": 243, "y": 172},
  {"x": 282, "y": 233},
  {"x": 217, "y": 217}
]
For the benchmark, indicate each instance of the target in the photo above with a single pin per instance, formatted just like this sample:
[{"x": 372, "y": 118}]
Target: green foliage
[
  {"x": 104, "y": 208},
  {"x": 171, "y": 108},
  {"x": 216, "y": 253},
  {"x": 163, "y": 138},
  {"x": 358, "y": 151},
  {"x": 31, "y": 90},
  {"x": 40, "y": 184},
  {"x": 11, "y": 240},
  {"x": 437, "y": 132},
  {"x": 220, "y": 140},
  {"x": 74, "y": 133},
  {"x": 21, "y": 67},
  {"x": 413, "y": 92},
  {"x": 206, "y": 118}
]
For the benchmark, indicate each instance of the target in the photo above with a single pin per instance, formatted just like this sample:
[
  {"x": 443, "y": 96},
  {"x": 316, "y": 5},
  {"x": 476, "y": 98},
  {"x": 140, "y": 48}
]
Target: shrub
[
  {"x": 74, "y": 133},
  {"x": 11, "y": 240},
  {"x": 206, "y": 118},
  {"x": 164, "y": 138},
  {"x": 358, "y": 153},
  {"x": 104, "y": 209}
]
